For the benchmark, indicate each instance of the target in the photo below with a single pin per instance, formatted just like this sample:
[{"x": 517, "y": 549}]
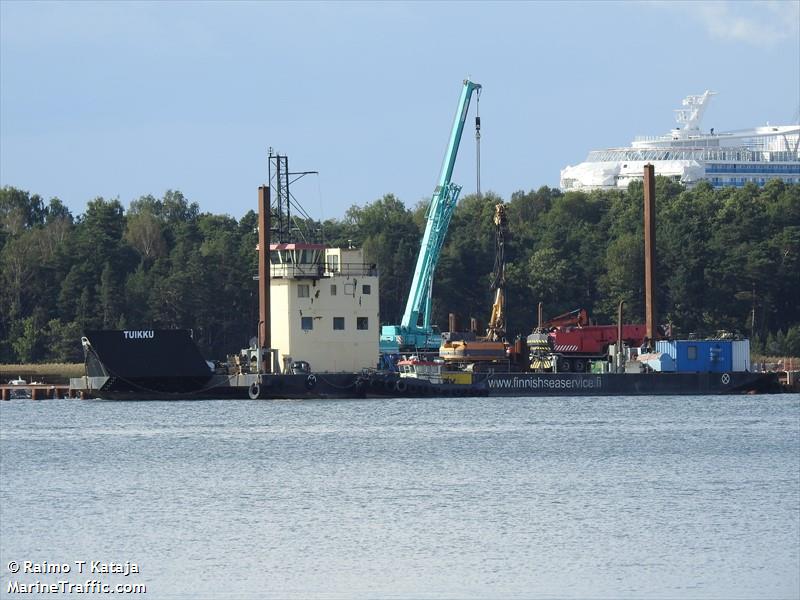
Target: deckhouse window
[
  {"x": 306, "y": 323},
  {"x": 366, "y": 289},
  {"x": 333, "y": 263},
  {"x": 338, "y": 323},
  {"x": 362, "y": 323},
  {"x": 303, "y": 291},
  {"x": 333, "y": 289}
]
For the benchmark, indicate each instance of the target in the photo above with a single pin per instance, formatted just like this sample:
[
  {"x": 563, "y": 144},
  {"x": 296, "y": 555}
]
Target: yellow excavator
[{"x": 467, "y": 347}]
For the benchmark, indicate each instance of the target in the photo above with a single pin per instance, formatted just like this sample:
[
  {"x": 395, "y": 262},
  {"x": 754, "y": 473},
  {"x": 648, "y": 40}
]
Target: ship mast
[{"x": 692, "y": 113}]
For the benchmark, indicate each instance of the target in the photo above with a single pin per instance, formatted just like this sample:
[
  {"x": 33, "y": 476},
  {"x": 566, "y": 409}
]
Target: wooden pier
[
  {"x": 790, "y": 380},
  {"x": 38, "y": 391}
]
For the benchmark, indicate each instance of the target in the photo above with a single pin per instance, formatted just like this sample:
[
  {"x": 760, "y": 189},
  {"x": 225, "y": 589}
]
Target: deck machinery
[
  {"x": 572, "y": 342},
  {"x": 415, "y": 333},
  {"x": 466, "y": 347}
]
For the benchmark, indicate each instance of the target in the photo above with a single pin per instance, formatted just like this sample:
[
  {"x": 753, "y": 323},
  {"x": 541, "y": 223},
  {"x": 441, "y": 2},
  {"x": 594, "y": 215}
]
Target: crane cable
[{"x": 478, "y": 137}]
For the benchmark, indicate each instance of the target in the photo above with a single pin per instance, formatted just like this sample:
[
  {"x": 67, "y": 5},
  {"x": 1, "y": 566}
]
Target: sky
[{"x": 125, "y": 99}]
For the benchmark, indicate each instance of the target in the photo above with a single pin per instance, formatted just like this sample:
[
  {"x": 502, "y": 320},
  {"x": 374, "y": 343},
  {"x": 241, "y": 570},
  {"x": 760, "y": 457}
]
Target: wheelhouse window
[{"x": 333, "y": 263}]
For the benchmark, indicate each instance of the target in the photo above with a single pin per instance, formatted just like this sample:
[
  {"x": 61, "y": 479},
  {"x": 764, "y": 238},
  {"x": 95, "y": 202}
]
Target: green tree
[
  {"x": 463, "y": 277},
  {"x": 144, "y": 233},
  {"x": 27, "y": 340},
  {"x": 108, "y": 293},
  {"x": 19, "y": 210},
  {"x": 389, "y": 238},
  {"x": 721, "y": 253},
  {"x": 20, "y": 259},
  {"x": 61, "y": 342},
  {"x": 791, "y": 343},
  {"x": 547, "y": 276}
]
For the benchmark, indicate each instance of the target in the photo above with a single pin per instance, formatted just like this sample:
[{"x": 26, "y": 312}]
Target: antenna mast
[{"x": 288, "y": 228}]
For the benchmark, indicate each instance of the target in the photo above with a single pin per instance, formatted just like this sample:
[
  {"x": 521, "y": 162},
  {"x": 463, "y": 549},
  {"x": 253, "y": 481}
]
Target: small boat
[
  {"x": 21, "y": 392},
  {"x": 420, "y": 377}
]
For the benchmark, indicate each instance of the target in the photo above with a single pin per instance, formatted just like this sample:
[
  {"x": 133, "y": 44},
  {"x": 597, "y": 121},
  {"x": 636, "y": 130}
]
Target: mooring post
[
  {"x": 264, "y": 329},
  {"x": 618, "y": 359},
  {"x": 650, "y": 251}
]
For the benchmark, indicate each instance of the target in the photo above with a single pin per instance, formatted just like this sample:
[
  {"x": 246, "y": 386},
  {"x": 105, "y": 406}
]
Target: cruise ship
[{"x": 689, "y": 155}]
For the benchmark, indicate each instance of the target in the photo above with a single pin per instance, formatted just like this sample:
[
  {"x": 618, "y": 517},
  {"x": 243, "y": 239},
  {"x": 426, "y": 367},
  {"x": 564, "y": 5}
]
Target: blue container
[{"x": 699, "y": 356}]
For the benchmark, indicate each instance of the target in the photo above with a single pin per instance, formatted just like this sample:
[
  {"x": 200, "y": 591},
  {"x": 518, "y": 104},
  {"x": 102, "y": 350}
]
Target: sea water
[{"x": 657, "y": 497}]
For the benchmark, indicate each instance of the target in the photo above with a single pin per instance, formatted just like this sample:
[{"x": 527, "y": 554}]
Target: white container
[
  {"x": 740, "y": 355},
  {"x": 668, "y": 347}
]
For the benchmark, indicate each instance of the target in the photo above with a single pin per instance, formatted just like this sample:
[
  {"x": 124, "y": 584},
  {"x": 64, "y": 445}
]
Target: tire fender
[{"x": 311, "y": 382}]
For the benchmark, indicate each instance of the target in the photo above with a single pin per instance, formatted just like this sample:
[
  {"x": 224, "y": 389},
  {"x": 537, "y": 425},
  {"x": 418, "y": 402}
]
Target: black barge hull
[
  {"x": 167, "y": 365},
  {"x": 630, "y": 384},
  {"x": 261, "y": 387},
  {"x": 580, "y": 384}
]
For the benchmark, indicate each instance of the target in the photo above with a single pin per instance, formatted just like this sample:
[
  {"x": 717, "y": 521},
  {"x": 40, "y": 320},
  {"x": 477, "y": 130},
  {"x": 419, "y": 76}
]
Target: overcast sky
[{"x": 125, "y": 99}]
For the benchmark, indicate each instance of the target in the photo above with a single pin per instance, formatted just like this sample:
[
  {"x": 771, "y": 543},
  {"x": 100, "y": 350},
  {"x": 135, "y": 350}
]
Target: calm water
[{"x": 453, "y": 498}]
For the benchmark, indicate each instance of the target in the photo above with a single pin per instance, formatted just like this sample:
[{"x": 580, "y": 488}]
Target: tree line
[{"x": 727, "y": 259}]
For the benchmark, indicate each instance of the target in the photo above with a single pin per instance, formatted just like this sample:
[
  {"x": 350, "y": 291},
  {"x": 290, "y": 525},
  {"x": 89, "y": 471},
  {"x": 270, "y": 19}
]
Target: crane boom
[{"x": 415, "y": 329}]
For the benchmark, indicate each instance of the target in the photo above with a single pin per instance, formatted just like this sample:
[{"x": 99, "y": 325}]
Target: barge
[
  {"x": 317, "y": 337},
  {"x": 167, "y": 365},
  {"x": 314, "y": 300},
  {"x": 495, "y": 380}
]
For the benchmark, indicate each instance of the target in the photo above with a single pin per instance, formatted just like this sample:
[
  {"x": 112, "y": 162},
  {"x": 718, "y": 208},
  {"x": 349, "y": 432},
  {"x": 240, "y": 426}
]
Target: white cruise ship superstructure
[{"x": 688, "y": 155}]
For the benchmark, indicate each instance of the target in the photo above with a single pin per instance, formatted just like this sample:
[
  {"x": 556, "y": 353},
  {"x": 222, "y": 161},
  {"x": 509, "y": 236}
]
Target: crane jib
[{"x": 440, "y": 210}]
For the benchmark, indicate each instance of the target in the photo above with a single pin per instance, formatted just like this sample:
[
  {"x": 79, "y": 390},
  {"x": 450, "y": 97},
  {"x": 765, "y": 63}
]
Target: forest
[{"x": 727, "y": 260}]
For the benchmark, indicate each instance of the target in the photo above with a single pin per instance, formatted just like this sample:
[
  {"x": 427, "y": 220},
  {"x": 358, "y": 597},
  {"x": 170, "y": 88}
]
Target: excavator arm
[{"x": 497, "y": 322}]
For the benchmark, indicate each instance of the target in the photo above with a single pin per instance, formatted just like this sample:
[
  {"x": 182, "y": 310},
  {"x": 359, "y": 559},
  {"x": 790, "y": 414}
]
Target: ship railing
[
  {"x": 320, "y": 270},
  {"x": 352, "y": 270},
  {"x": 739, "y": 154}
]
